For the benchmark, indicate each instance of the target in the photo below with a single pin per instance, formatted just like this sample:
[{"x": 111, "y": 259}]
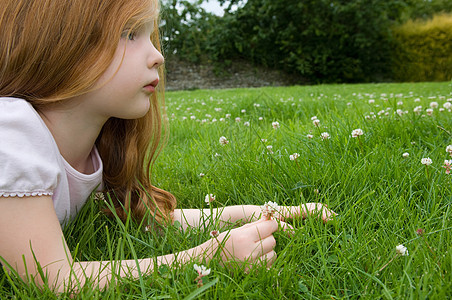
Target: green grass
[{"x": 381, "y": 197}]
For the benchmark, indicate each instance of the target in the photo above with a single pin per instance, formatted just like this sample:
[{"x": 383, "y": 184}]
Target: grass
[{"x": 381, "y": 197}]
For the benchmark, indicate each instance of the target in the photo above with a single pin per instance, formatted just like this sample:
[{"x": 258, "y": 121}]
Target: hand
[
  {"x": 249, "y": 244},
  {"x": 304, "y": 210}
]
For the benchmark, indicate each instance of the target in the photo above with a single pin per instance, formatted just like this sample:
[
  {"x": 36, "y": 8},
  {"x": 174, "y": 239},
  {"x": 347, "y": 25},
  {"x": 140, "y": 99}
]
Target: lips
[{"x": 150, "y": 88}]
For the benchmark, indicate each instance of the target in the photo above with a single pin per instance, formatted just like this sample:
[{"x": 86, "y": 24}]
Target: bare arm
[
  {"x": 247, "y": 213},
  {"x": 29, "y": 228},
  {"x": 226, "y": 215}
]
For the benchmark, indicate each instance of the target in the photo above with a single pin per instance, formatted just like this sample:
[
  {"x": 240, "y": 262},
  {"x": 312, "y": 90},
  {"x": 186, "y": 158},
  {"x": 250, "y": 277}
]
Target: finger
[
  {"x": 264, "y": 246},
  {"x": 267, "y": 259},
  {"x": 287, "y": 228},
  {"x": 263, "y": 229}
]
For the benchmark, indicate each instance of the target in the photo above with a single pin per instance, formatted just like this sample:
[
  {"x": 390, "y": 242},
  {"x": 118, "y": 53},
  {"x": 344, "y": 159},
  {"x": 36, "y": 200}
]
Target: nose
[{"x": 155, "y": 58}]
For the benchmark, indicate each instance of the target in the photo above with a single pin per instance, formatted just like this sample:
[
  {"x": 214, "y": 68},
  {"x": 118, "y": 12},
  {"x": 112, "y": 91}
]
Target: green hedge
[{"x": 423, "y": 50}]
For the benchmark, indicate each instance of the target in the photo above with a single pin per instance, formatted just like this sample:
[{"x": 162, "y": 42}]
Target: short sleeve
[{"x": 28, "y": 153}]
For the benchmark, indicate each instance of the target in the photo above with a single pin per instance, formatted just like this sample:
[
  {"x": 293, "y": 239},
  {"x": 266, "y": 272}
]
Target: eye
[{"x": 130, "y": 35}]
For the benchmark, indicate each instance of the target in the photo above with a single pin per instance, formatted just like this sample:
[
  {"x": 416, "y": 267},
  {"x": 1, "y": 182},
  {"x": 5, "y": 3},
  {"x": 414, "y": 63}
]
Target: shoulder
[{"x": 28, "y": 153}]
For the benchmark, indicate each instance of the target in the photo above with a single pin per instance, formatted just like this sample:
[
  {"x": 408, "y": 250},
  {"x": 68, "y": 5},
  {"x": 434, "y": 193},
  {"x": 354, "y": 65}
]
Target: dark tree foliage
[{"x": 322, "y": 40}]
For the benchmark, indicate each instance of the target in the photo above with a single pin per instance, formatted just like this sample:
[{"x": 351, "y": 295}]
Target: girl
[{"x": 79, "y": 112}]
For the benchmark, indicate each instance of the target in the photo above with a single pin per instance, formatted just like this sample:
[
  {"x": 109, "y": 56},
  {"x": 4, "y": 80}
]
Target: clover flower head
[
  {"x": 448, "y": 166},
  {"x": 99, "y": 196},
  {"x": 357, "y": 133},
  {"x": 227, "y": 116},
  {"x": 261, "y": 118},
  {"x": 294, "y": 156},
  {"x": 371, "y": 101},
  {"x": 434, "y": 104},
  {"x": 209, "y": 198},
  {"x": 402, "y": 250},
  {"x": 405, "y": 155},
  {"x": 429, "y": 111},
  {"x": 275, "y": 125},
  {"x": 447, "y": 105},
  {"x": 449, "y": 149},
  {"x": 399, "y": 112},
  {"x": 202, "y": 270},
  {"x": 309, "y": 136},
  {"x": 270, "y": 149},
  {"x": 325, "y": 135},
  {"x": 243, "y": 111},
  {"x": 201, "y": 174},
  {"x": 426, "y": 161},
  {"x": 238, "y": 119},
  {"x": 417, "y": 109},
  {"x": 224, "y": 140},
  {"x": 246, "y": 123},
  {"x": 316, "y": 122},
  {"x": 269, "y": 209},
  {"x": 314, "y": 118}
]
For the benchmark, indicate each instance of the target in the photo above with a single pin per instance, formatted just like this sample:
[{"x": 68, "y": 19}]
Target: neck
[{"x": 75, "y": 133}]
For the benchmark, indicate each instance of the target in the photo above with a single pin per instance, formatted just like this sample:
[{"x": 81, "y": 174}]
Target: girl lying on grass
[{"x": 79, "y": 111}]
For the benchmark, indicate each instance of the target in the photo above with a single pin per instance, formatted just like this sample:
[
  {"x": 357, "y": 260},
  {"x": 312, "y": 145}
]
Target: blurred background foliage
[{"x": 324, "y": 41}]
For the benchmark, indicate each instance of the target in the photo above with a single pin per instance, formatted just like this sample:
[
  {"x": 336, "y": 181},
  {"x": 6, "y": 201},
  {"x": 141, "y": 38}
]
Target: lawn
[{"x": 384, "y": 191}]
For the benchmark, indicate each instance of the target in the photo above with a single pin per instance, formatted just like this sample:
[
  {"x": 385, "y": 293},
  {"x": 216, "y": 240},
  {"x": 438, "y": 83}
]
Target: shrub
[{"x": 423, "y": 50}]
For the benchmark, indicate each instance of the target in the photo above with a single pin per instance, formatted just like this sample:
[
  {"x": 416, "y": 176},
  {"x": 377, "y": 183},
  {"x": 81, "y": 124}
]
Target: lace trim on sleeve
[{"x": 26, "y": 194}]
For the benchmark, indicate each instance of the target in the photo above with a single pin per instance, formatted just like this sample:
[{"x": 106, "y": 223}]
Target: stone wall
[{"x": 182, "y": 75}]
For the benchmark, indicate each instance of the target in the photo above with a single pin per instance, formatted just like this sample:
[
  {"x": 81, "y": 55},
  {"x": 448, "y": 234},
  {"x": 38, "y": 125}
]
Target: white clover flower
[
  {"x": 417, "y": 100},
  {"x": 261, "y": 118},
  {"x": 447, "y": 105},
  {"x": 349, "y": 103},
  {"x": 246, "y": 123},
  {"x": 217, "y": 154},
  {"x": 371, "y": 101},
  {"x": 202, "y": 174},
  {"x": 263, "y": 140},
  {"x": 357, "y": 132},
  {"x": 294, "y": 156},
  {"x": 227, "y": 116},
  {"x": 405, "y": 155},
  {"x": 192, "y": 117},
  {"x": 434, "y": 104},
  {"x": 325, "y": 135},
  {"x": 399, "y": 103},
  {"x": 417, "y": 109},
  {"x": 429, "y": 111},
  {"x": 270, "y": 149},
  {"x": 316, "y": 122},
  {"x": 441, "y": 109},
  {"x": 402, "y": 250},
  {"x": 202, "y": 270},
  {"x": 275, "y": 125},
  {"x": 256, "y": 105},
  {"x": 238, "y": 119},
  {"x": 309, "y": 136},
  {"x": 269, "y": 209},
  {"x": 243, "y": 111},
  {"x": 224, "y": 141},
  {"x": 222, "y": 119},
  {"x": 399, "y": 112},
  {"x": 426, "y": 161},
  {"x": 209, "y": 198},
  {"x": 449, "y": 149},
  {"x": 314, "y": 118}
]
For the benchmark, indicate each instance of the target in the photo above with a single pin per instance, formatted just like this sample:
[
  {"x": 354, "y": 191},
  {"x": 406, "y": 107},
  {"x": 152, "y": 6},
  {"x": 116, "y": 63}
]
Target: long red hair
[{"x": 53, "y": 50}]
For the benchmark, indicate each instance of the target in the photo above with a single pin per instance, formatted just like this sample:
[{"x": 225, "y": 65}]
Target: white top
[{"x": 31, "y": 164}]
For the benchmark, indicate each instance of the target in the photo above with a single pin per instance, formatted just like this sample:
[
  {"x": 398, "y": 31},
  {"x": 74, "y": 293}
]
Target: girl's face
[{"x": 123, "y": 90}]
